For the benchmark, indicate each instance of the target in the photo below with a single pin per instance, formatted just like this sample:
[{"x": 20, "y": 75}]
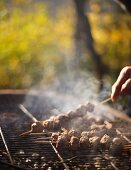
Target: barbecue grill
[{"x": 26, "y": 153}]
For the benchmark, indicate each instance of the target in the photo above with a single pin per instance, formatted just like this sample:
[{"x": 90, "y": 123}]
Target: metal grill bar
[
  {"x": 6, "y": 147},
  {"x": 66, "y": 167}
]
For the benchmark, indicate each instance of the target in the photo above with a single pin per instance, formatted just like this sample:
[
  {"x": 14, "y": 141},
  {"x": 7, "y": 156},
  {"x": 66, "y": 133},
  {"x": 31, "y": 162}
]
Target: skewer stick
[
  {"x": 25, "y": 133},
  {"x": 27, "y": 113},
  {"x": 66, "y": 167},
  {"x": 105, "y": 101},
  {"x": 128, "y": 140},
  {"x": 6, "y": 147}
]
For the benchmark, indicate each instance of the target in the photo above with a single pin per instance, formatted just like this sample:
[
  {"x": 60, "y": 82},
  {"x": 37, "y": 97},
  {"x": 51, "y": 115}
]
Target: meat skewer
[{"x": 27, "y": 113}]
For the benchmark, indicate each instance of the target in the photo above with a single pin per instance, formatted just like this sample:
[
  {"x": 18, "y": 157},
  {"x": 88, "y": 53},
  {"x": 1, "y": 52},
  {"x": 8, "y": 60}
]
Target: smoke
[{"x": 66, "y": 93}]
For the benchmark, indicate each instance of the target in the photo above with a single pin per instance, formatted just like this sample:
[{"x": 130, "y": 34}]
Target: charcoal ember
[
  {"x": 94, "y": 141},
  {"x": 116, "y": 147},
  {"x": 43, "y": 159},
  {"x": 35, "y": 156},
  {"x": 36, "y": 165},
  {"x": 21, "y": 152},
  {"x": 84, "y": 143},
  {"x": 37, "y": 127},
  {"x": 74, "y": 143},
  {"x": 28, "y": 161},
  {"x": 44, "y": 166},
  {"x": 105, "y": 142}
]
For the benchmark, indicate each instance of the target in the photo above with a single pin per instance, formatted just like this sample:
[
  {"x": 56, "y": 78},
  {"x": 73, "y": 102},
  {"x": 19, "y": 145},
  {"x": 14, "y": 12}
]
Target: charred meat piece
[
  {"x": 63, "y": 120},
  {"x": 56, "y": 123},
  {"x": 105, "y": 142},
  {"x": 48, "y": 124},
  {"x": 116, "y": 147},
  {"x": 90, "y": 107},
  {"x": 74, "y": 143},
  {"x": 108, "y": 125},
  {"x": 73, "y": 132},
  {"x": 37, "y": 127},
  {"x": 110, "y": 132},
  {"x": 62, "y": 142},
  {"x": 94, "y": 141},
  {"x": 54, "y": 137},
  {"x": 84, "y": 142},
  {"x": 88, "y": 133}
]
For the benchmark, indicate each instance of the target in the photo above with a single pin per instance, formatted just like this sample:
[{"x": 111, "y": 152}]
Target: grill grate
[{"x": 27, "y": 154}]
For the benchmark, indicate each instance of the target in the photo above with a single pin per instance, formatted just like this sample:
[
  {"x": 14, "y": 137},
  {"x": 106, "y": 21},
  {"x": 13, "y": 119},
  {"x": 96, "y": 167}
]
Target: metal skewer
[
  {"x": 6, "y": 147},
  {"x": 64, "y": 164},
  {"x": 27, "y": 113},
  {"x": 128, "y": 140}
]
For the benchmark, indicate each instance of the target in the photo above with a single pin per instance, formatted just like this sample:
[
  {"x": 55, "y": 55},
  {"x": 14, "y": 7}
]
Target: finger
[
  {"x": 123, "y": 76},
  {"x": 115, "y": 92},
  {"x": 126, "y": 88}
]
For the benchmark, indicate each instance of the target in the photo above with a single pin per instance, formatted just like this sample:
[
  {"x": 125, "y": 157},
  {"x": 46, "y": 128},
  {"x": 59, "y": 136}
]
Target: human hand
[{"x": 122, "y": 86}]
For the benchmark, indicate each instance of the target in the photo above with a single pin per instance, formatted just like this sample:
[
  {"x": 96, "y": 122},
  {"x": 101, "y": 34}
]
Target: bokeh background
[{"x": 41, "y": 41}]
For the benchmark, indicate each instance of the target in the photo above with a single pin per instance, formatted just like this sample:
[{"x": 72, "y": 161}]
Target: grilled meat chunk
[
  {"x": 74, "y": 143},
  {"x": 105, "y": 142},
  {"x": 73, "y": 132},
  {"x": 84, "y": 142},
  {"x": 116, "y": 147},
  {"x": 94, "y": 141},
  {"x": 37, "y": 127},
  {"x": 54, "y": 137},
  {"x": 61, "y": 142},
  {"x": 89, "y": 134}
]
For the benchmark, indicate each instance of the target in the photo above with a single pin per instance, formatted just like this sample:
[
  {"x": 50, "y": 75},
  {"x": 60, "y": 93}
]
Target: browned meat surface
[
  {"x": 73, "y": 132},
  {"x": 74, "y": 143},
  {"x": 54, "y": 137},
  {"x": 105, "y": 141},
  {"x": 116, "y": 146},
  {"x": 94, "y": 141},
  {"x": 84, "y": 143}
]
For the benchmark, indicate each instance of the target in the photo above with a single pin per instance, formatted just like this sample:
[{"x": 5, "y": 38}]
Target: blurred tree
[{"x": 83, "y": 34}]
